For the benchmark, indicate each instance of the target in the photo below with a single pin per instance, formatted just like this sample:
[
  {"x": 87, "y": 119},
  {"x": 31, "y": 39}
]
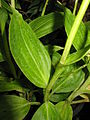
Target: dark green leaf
[
  {"x": 80, "y": 37},
  {"x": 59, "y": 97},
  {"x": 65, "y": 110},
  {"x": 3, "y": 19},
  {"x": 28, "y": 52},
  {"x": 6, "y": 6},
  {"x": 75, "y": 57},
  {"x": 1, "y": 57},
  {"x": 69, "y": 82},
  {"x": 46, "y": 112},
  {"x": 10, "y": 85},
  {"x": 46, "y": 24},
  {"x": 13, "y": 107}
]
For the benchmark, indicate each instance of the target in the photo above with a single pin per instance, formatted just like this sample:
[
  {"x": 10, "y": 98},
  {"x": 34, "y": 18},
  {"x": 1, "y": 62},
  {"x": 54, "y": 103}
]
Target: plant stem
[
  {"x": 74, "y": 30},
  {"x": 75, "y": 7},
  {"x": 34, "y": 103},
  {"x": 13, "y": 3},
  {"x": 56, "y": 75},
  {"x": 44, "y": 9},
  {"x": 0, "y": 3},
  {"x": 80, "y": 101}
]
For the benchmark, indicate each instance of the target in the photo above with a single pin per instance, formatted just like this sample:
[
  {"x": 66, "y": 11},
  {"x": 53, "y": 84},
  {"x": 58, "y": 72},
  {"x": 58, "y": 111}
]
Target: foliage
[{"x": 31, "y": 67}]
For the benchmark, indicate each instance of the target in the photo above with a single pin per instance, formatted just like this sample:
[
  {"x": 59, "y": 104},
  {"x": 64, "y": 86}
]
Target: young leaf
[
  {"x": 28, "y": 52},
  {"x": 46, "y": 24},
  {"x": 69, "y": 82},
  {"x": 65, "y": 110},
  {"x": 13, "y": 107},
  {"x": 46, "y": 112},
  {"x": 80, "y": 37},
  {"x": 75, "y": 57},
  {"x": 3, "y": 19}
]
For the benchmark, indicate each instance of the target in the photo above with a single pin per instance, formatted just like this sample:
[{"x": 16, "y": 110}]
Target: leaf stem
[
  {"x": 75, "y": 7},
  {"x": 13, "y": 3},
  {"x": 0, "y": 3},
  {"x": 34, "y": 103},
  {"x": 74, "y": 29},
  {"x": 44, "y": 9}
]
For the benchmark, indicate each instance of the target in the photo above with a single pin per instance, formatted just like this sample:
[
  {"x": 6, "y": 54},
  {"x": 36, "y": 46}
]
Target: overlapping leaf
[
  {"x": 46, "y": 24},
  {"x": 28, "y": 52},
  {"x": 65, "y": 110},
  {"x": 46, "y": 112}
]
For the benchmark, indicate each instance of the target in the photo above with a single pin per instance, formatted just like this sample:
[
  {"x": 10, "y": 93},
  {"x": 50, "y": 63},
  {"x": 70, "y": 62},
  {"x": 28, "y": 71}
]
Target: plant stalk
[
  {"x": 80, "y": 101},
  {"x": 13, "y": 3},
  {"x": 74, "y": 30},
  {"x": 75, "y": 7},
  {"x": 44, "y": 9}
]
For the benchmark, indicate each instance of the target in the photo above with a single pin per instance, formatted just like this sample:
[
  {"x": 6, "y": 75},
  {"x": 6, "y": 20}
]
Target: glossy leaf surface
[
  {"x": 65, "y": 110},
  {"x": 46, "y": 112},
  {"x": 28, "y": 52},
  {"x": 13, "y": 107},
  {"x": 46, "y": 24}
]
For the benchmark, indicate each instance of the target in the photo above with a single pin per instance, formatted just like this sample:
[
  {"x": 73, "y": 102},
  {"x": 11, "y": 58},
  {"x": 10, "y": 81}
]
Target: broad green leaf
[
  {"x": 10, "y": 86},
  {"x": 3, "y": 19},
  {"x": 80, "y": 37},
  {"x": 75, "y": 57},
  {"x": 85, "y": 88},
  {"x": 46, "y": 112},
  {"x": 1, "y": 57},
  {"x": 69, "y": 82},
  {"x": 65, "y": 110},
  {"x": 13, "y": 107},
  {"x": 46, "y": 24},
  {"x": 59, "y": 97},
  {"x": 28, "y": 52}
]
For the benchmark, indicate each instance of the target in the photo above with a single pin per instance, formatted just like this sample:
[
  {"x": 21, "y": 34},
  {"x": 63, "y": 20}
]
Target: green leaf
[
  {"x": 46, "y": 24},
  {"x": 75, "y": 57},
  {"x": 80, "y": 37},
  {"x": 88, "y": 33},
  {"x": 28, "y": 52},
  {"x": 59, "y": 97},
  {"x": 85, "y": 88},
  {"x": 10, "y": 86},
  {"x": 65, "y": 110},
  {"x": 13, "y": 107},
  {"x": 3, "y": 19},
  {"x": 1, "y": 57},
  {"x": 69, "y": 82},
  {"x": 46, "y": 112},
  {"x": 6, "y": 6}
]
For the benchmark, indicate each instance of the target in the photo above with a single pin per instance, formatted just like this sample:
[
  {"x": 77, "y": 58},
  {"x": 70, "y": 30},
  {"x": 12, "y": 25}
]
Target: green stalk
[
  {"x": 44, "y": 9},
  {"x": 34, "y": 103},
  {"x": 80, "y": 101},
  {"x": 74, "y": 30},
  {"x": 13, "y": 3},
  {"x": 75, "y": 7}
]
